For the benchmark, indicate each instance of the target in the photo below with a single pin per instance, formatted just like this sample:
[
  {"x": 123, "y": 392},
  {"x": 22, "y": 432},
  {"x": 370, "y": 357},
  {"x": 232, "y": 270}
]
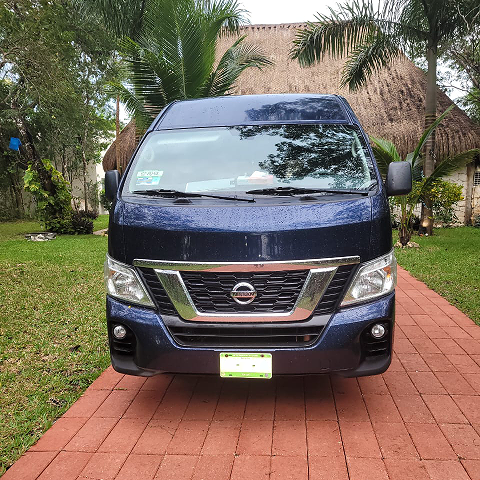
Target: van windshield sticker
[{"x": 149, "y": 177}]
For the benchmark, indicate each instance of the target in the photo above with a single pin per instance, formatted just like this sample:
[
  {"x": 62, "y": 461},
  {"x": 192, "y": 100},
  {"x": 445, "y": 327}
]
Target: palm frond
[
  {"x": 417, "y": 168},
  {"x": 186, "y": 33},
  {"x": 427, "y": 133},
  {"x": 336, "y": 37},
  {"x": 385, "y": 153},
  {"x": 234, "y": 61},
  {"x": 374, "y": 54},
  {"x": 224, "y": 17},
  {"x": 451, "y": 165},
  {"x": 354, "y": 23},
  {"x": 174, "y": 56},
  {"x": 133, "y": 105}
]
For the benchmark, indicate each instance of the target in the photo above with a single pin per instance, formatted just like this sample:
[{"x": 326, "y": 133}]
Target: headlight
[
  {"x": 121, "y": 281},
  {"x": 373, "y": 279}
]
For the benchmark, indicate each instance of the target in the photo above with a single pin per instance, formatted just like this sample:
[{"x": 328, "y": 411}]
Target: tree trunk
[
  {"x": 85, "y": 183},
  {"x": 30, "y": 150},
  {"x": 117, "y": 133},
  {"x": 426, "y": 223},
  {"x": 404, "y": 234},
  {"x": 17, "y": 195}
]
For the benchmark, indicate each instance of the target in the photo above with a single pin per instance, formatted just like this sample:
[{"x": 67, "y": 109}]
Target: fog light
[
  {"x": 119, "y": 332},
  {"x": 378, "y": 331}
]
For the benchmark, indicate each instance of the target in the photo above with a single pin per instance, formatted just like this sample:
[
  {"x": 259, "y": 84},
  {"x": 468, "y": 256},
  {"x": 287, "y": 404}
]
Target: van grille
[
  {"x": 276, "y": 291},
  {"x": 160, "y": 296},
  {"x": 335, "y": 290},
  {"x": 220, "y": 336}
]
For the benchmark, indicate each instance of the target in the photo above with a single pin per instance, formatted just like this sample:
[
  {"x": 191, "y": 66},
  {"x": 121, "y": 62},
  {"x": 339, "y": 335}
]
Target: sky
[{"x": 275, "y": 11}]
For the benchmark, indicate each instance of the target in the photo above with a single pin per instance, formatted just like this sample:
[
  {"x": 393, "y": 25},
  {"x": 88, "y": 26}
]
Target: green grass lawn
[
  {"x": 16, "y": 230},
  {"x": 449, "y": 263},
  {"x": 53, "y": 340}
]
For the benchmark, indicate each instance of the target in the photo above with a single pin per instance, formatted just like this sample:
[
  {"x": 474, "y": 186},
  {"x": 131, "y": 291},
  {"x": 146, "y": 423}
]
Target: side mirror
[
  {"x": 399, "y": 179},
  {"x": 112, "y": 179}
]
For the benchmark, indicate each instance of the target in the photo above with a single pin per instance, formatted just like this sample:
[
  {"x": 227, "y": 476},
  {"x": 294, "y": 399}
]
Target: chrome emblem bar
[{"x": 321, "y": 272}]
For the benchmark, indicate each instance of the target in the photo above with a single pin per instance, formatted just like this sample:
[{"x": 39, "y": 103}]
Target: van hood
[{"x": 242, "y": 233}]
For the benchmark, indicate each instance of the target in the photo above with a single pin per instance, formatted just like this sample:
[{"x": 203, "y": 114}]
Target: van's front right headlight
[
  {"x": 373, "y": 279},
  {"x": 122, "y": 282}
]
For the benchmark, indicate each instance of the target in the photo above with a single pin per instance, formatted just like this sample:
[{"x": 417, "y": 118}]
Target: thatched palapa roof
[
  {"x": 391, "y": 105},
  {"x": 128, "y": 142}
]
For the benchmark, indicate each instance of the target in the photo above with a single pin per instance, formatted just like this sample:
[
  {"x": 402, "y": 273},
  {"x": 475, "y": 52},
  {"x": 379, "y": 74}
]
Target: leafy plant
[
  {"x": 53, "y": 207},
  {"x": 444, "y": 195},
  {"x": 91, "y": 214},
  {"x": 385, "y": 153},
  {"x": 173, "y": 54},
  {"x": 104, "y": 201},
  {"x": 82, "y": 222}
]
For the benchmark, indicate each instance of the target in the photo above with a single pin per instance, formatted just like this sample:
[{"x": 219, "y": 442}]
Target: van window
[{"x": 241, "y": 158}]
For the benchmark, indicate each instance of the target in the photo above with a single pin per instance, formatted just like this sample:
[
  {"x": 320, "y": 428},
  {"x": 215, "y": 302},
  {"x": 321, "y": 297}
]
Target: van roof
[{"x": 255, "y": 109}]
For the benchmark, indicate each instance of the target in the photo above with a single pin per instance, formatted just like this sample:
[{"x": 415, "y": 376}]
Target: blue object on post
[{"x": 14, "y": 144}]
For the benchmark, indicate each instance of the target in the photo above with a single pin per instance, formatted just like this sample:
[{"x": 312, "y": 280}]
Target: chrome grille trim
[
  {"x": 321, "y": 272},
  {"x": 246, "y": 266}
]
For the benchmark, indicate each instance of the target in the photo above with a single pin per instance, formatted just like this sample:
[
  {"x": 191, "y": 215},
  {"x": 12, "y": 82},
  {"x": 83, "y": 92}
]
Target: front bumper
[{"x": 339, "y": 348}]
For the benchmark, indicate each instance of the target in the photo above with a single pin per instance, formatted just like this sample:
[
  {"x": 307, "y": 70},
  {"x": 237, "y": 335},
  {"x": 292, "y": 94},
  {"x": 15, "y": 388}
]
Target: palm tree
[
  {"x": 171, "y": 55},
  {"x": 371, "y": 37},
  {"x": 385, "y": 153}
]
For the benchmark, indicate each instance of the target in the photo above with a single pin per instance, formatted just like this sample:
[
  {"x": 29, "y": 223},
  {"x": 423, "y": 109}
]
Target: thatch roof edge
[{"x": 127, "y": 139}]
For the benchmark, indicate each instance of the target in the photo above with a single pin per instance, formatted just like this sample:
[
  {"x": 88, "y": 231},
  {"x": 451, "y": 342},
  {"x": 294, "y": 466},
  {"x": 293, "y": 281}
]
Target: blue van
[{"x": 250, "y": 236}]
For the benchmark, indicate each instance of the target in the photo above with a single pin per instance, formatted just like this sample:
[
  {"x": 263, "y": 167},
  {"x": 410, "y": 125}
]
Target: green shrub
[
  {"x": 91, "y": 214},
  {"x": 82, "y": 222},
  {"x": 104, "y": 201},
  {"x": 54, "y": 208},
  {"x": 444, "y": 196}
]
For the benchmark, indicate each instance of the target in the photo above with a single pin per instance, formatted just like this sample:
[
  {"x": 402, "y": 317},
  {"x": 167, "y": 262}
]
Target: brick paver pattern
[{"x": 418, "y": 421}]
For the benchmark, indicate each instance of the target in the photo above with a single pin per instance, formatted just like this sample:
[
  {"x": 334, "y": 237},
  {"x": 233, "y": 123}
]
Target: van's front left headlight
[
  {"x": 373, "y": 279},
  {"x": 122, "y": 282}
]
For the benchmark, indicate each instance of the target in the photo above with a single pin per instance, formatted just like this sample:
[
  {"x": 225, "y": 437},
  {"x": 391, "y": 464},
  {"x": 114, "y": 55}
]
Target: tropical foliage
[
  {"x": 424, "y": 189},
  {"x": 54, "y": 64},
  {"x": 171, "y": 55},
  {"x": 371, "y": 34},
  {"x": 464, "y": 61},
  {"x": 54, "y": 207}
]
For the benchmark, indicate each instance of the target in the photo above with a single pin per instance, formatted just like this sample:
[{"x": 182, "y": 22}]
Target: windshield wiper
[
  {"x": 164, "y": 192},
  {"x": 289, "y": 191}
]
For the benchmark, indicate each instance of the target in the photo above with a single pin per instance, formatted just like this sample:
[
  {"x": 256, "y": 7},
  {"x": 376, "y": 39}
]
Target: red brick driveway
[{"x": 420, "y": 420}]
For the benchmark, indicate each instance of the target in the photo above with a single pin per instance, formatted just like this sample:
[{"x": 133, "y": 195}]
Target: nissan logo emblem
[{"x": 243, "y": 293}]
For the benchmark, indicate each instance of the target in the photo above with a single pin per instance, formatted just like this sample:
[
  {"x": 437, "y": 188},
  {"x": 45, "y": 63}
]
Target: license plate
[{"x": 246, "y": 365}]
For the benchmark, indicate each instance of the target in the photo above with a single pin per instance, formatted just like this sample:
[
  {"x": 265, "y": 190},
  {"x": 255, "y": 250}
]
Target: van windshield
[{"x": 244, "y": 158}]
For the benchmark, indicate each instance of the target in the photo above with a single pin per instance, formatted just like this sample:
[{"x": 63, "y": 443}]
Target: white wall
[
  {"x": 460, "y": 177},
  {"x": 95, "y": 173}
]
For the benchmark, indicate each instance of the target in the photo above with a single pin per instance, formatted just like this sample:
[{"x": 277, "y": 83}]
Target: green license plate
[{"x": 246, "y": 365}]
